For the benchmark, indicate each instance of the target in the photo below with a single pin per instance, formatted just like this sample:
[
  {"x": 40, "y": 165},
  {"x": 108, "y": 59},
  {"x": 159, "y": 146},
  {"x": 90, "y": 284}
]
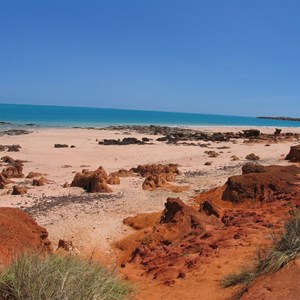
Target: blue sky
[{"x": 223, "y": 57}]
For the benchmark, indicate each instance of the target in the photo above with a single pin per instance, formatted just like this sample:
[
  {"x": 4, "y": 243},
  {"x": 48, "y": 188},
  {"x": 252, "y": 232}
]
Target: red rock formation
[
  {"x": 252, "y": 168},
  {"x": 19, "y": 190},
  {"x": 19, "y": 233},
  {"x": 157, "y": 175},
  {"x": 200, "y": 245},
  {"x": 33, "y": 174},
  {"x": 113, "y": 179},
  {"x": 209, "y": 208},
  {"x": 40, "y": 182},
  {"x": 66, "y": 185},
  {"x": 252, "y": 156},
  {"x": 67, "y": 246},
  {"x": 294, "y": 154},
  {"x": 275, "y": 182},
  {"x": 124, "y": 173},
  {"x": 3, "y": 181},
  {"x": 14, "y": 171},
  {"x": 153, "y": 182},
  {"x": 92, "y": 181},
  {"x": 182, "y": 230},
  {"x": 171, "y": 170},
  {"x": 7, "y": 159}
]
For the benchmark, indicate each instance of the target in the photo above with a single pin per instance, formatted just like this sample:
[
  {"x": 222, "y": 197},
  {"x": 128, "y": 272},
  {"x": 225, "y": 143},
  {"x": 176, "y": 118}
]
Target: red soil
[
  {"x": 19, "y": 233},
  {"x": 282, "y": 285}
]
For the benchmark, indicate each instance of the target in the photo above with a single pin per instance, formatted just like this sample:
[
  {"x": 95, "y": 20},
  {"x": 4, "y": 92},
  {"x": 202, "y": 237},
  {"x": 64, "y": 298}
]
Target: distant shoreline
[{"x": 280, "y": 118}]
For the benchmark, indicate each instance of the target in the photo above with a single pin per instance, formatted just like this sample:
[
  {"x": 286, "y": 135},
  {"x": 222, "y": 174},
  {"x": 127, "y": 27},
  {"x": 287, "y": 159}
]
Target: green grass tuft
[{"x": 31, "y": 277}]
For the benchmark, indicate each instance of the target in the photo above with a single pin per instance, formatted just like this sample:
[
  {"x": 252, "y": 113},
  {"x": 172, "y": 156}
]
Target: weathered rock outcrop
[
  {"x": 182, "y": 231},
  {"x": 250, "y": 133},
  {"x": 277, "y": 131},
  {"x": 7, "y": 159},
  {"x": 92, "y": 181},
  {"x": 209, "y": 208},
  {"x": 157, "y": 175},
  {"x": 113, "y": 179},
  {"x": 40, "y": 182},
  {"x": 33, "y": 174},
  {"x": 178, "y": 135},
  {"x": 294, "y": 154},
  {"x": 124, "y": 141},
  {"x": 153, "y": 182},
  {"x": 61, "y": 146},
  {"x": 20, "y": 233},
  {"x": 67, "y": 246},
  {"x": 19, "y": 190},
  {"x": 13, "y": 171},
  {"x": 3, "y": 181},
  {"x": 252, "y": 156},
  {"x": 269, "y": 184},
  {"x": 123, "y": 173},
  {"x": 169, "y": 171},
  {"x": 252, "y": 168},
  {"x": 10, "y": 148}
]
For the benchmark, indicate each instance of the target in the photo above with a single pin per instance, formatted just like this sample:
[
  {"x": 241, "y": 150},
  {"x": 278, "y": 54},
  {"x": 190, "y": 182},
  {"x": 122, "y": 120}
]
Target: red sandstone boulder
[
  {"x": 7, "y": 159},
  {"x": 176, "y": 212},
  {"x": 66, "y": 185},
  {"x": 14, "y": 171},
  {"x": 33, "y": 174},
  {"x": 20, "y": 233},
  {"x": 153, "y": 182},
  {"x": 157, "y": 175},
  {"x": 19, "y": 190},
  {"x": 40, "y": 182},
  {"x": 92, "y": 181},
  {"x": 294, "y": 154},
  {"x": 252, "y": 156},
  {"x": 170, "y": 170},
  {"x": 3, "y": 181},
  {"x": 113, "y": 179},
  {"x": 67, "y": 246}
]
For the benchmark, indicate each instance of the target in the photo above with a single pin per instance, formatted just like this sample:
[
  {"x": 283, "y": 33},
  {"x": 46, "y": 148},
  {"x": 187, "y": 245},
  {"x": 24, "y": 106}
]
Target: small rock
[
  {"x": 19, "y": 190},
  {"x": 61, "y": 146},
  {"x": 252, "y": 156}
]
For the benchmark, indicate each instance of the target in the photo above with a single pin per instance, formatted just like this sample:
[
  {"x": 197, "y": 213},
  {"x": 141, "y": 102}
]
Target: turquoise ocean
[{"x": 63, "y": 116}]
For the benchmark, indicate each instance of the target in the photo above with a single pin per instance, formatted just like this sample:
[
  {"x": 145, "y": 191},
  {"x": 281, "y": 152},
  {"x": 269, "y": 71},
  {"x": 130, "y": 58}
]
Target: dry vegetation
[{"x": 55, "y": 277}]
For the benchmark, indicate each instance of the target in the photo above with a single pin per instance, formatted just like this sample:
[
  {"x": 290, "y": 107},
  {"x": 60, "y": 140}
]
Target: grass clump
[
  {"x": 284, "y": 250},
  {"x": 54, "y": 277}
]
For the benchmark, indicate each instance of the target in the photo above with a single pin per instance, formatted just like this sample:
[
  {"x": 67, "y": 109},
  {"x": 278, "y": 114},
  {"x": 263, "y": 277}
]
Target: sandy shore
[{"x": 94, "y": 221}]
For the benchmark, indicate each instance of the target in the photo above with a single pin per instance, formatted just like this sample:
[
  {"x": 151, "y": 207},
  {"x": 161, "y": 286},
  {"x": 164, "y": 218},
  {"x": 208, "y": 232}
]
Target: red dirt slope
[
  {"x": 284, "y": 284},
  {"x": 19, "y": 233}
]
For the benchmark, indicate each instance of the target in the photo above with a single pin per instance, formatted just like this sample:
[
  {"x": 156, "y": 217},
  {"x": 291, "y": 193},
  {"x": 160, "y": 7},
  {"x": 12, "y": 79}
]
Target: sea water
[{"x": 66, "y": 116}]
